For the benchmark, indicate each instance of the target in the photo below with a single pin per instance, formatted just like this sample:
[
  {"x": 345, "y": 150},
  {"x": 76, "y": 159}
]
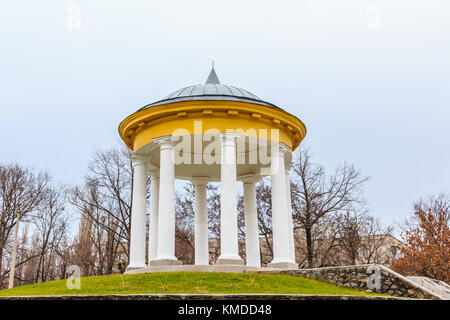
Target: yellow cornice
[{"x": 141, "y": 127}]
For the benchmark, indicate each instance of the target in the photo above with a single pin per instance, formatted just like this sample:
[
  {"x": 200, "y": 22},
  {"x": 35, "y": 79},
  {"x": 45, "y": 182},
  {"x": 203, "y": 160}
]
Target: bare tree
[
  {"x": 375, "y": 245},
  {"x": 438, "y": 204},
  {"x": 50, "y": 222},
  {"x": 213, "y": 220},
  {"x": 325, "y": 243},
  {"x": 21, "y": 191},
  {"x": 84, "y": 250},
  {"x": 185, "y": 229},
  {"x": 264, "y": 213},
  {"x": 349, "y": 228},
  {"x": 184, "y": 225},
  {"x": 314, "y": 195},
  {"x": 105, "y": 201}
]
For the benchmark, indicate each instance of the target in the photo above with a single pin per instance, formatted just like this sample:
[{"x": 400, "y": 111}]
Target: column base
[
  {"x": 165, "y": 262},
  {"x": 135, "y": 267},
  {"x": 230, "y": 261},
  {"x": 253, "y": 265},
  {"x": 282, "y": 265}
]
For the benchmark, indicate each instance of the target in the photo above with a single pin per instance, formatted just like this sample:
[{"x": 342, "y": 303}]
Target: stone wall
[{"x": 375, "y": 278}]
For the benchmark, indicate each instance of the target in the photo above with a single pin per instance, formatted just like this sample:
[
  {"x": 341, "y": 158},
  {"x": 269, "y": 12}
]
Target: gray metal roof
[
  {"x": 213, "y": 78},
  {"x": 211, "y": 90}
]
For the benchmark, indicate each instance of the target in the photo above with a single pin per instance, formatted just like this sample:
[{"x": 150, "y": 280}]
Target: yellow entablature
[{"x": 208, "y": 116}]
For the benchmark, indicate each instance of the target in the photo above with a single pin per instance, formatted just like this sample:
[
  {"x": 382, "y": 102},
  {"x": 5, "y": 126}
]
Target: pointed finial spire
[{"x": 213, "y": 78}]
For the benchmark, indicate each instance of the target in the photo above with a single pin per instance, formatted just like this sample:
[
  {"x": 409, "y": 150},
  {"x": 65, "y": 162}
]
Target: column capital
[
  {"x": 229, "y": 136},
  {"x": 152, "y": 170},
  {"x": 250, "y": 178},
  {"x": 200, "y": 181},
  {"x": 165, "y": 142},
  {"x": 280, "y": 148},
  {"x": 153, "y": 173},
  {"x": 285, "y": 148},
  {"x": 138, "y": 159}
]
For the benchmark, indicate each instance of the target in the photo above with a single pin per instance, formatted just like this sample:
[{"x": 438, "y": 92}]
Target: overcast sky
[{"x": 370, "y": 79}]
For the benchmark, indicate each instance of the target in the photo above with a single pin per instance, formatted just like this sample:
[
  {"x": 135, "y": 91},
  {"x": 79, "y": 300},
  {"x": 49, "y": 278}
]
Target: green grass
[{"x": 186, "y": 282}]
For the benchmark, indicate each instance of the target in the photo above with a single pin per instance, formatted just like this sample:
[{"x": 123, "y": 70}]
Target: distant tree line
[
  {"x": 43, "y": 244},
  {"x": 332, "y": 224}
]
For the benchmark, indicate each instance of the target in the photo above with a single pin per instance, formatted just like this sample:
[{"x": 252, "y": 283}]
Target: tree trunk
[
  {"x": 1, "y": 266},
  {"x": 309, "y": 247}
]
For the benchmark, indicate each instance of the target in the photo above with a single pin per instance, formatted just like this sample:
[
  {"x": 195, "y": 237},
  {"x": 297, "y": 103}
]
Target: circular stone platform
[{"x": 200, "y": 268}]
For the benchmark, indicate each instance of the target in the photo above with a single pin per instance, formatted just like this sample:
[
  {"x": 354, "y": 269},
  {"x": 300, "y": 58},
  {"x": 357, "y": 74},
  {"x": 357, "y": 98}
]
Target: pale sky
[{"x": 370, "y": 79}]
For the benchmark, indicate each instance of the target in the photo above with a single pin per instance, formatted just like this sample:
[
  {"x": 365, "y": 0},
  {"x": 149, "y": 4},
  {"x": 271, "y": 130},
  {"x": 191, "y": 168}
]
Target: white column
[
  {"x": 166, "y": 218},
  {"x": 153, "y": 228},
  {"x": 251, "y": 224},
  {"x": 280, "y": 221},
  {"x": 291, "y": 224},
  {"x": 201, "y": 223},
  {"x": 138, "y": 215},
  {"x": 228, "y": 203}
]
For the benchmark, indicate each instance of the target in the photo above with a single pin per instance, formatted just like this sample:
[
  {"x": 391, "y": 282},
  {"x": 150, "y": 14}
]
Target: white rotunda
[{"x": 210, "y": 133}]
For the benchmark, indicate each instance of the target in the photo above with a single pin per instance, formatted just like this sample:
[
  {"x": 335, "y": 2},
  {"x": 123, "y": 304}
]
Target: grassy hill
[{"x": 186, "y": 282}]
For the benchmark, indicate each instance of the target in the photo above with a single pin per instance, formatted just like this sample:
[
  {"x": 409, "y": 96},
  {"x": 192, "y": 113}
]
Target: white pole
[
  {"x": 14, "y": 253},
  {"x": 291, "y": 223},
  {"x": 166, "y": 218},
  {"x": 280, "y": 214},
  {"x": 228, "y": 203},
  {"x": 201, "y": 223},
  {"x": 153, "y": 228},
  {"x": 251, "y": 224},
  {"x": 138, "y": 214}
]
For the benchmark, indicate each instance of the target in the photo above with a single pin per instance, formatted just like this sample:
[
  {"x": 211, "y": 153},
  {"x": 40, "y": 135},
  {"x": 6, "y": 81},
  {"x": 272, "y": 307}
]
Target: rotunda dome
[{"x": 212, "y": 89}]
